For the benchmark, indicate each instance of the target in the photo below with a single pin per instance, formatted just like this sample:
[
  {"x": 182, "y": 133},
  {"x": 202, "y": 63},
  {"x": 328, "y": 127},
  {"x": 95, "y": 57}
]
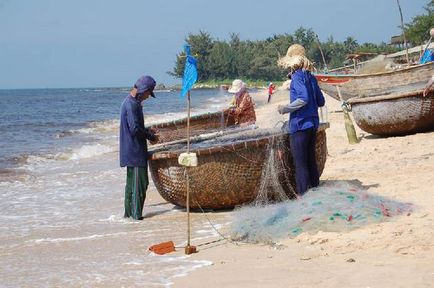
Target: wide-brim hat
[
  {"x": 295, "y": 58},
  {"x": 236, "y": 86}
]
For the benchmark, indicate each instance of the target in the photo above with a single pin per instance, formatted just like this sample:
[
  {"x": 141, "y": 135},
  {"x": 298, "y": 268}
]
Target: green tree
[
  {"x": 350, "y": 45},
  {"x": 417, "y": 31},
  {"x": 220, "y": 64},
  {"x": 305, "y": 37},
  {"x": 201, "y": 45},
  {"x": 243, "y": 57},
  {"x": 257, "y": 60}
]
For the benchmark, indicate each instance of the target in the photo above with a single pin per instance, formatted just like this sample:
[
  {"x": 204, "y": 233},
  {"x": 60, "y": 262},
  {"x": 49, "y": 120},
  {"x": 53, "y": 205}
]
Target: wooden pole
[
  {"x": 188, "y": 179},
  {"x": 188, "y": 249},
  {"x": 403, "y": 33},
  {"x": 427, "y": 45},
  {"x": 349, "y": 127},
  {"x": 322, "y": 54}
]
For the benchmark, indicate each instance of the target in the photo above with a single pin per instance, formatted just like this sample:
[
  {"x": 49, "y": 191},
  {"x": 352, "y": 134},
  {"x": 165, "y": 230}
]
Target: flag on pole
[{"x": 190, "y": 72}]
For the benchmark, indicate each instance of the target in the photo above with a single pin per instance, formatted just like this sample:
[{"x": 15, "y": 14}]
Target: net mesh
[
  {"x": 335, "y": 206},
  {"x": 274, "y": 176},
  {"x": 232, "y": 135}
]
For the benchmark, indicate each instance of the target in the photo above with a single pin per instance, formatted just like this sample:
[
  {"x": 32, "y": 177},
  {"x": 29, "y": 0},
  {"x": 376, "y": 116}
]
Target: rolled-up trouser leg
[{"x": 135, "y": 191}]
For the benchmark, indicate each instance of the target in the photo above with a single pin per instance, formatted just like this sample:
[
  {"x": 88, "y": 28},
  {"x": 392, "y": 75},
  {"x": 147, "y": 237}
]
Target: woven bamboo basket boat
[
  {"x": 229, "y": 170},
  {"x": 199, "y": 124},
  {"x": 376, "y": 84},
  {"x": 395, "y": 114}
]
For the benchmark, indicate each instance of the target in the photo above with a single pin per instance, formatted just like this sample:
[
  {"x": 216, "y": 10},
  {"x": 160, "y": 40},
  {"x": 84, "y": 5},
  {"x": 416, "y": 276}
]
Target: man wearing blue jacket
[
  {"x": 305, "y": 98},
  {"x": 133, "y": 148}
]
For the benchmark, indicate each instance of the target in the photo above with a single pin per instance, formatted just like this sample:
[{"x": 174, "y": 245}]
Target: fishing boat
[
  {"x": 230, "y": 168},
  {"x": 399, "y": 81},
  {"x": 199, "y": 124},
  {"x": 395, "y": 113}
]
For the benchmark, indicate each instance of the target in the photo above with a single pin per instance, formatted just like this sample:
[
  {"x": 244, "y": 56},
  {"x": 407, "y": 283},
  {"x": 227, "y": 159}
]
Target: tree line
[{"x": 257, "y": 60}]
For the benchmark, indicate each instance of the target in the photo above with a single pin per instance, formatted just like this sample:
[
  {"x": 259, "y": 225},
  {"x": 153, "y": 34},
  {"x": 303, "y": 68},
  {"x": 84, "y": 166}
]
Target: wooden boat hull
[
  {"x": 376, "y": 84},
  {"x": 399, "y": 114},
  {"x": 228, "y": 175},
  {"x": 199, "y": 124}
]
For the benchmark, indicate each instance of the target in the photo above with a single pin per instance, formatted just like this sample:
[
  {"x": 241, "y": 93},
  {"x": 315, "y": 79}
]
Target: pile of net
[
  {"x": 336, "y": 206},
  {"x": 379, "y": 64}
]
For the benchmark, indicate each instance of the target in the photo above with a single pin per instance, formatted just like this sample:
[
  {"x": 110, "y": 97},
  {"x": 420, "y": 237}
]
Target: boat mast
[
  {"x": 326, "y": 70},
  {"x": 403, "y": 33}
]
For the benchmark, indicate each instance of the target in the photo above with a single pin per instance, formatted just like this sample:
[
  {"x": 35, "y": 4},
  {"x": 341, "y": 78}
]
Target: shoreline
[{"x": 387, "y": 254}]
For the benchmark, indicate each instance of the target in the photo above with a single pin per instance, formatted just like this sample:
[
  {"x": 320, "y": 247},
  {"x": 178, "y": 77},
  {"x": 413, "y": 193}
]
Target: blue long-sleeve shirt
[
  {"x": 133, "y": 149},
  {"x": 306, "y": 97}
]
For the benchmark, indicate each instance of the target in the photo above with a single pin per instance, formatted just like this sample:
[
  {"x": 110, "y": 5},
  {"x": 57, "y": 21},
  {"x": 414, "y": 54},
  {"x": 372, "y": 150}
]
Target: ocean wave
[
  {"x": 80, "y": 238},
  {"x": 65, "y": 133},
  {"x": 221, "y": 99},
  {"x": 86, "y": 151},
  {"x": 112, "y": 125},
  {"x": 153, "y": 119},
  {"x": 28, "y": 161},
  {"x": 104, "y": 126}
]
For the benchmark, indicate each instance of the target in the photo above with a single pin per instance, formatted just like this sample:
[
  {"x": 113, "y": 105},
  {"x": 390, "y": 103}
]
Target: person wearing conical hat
[
  {"x": 305, "y": 98},
  {"x": 243, "y": 110}
]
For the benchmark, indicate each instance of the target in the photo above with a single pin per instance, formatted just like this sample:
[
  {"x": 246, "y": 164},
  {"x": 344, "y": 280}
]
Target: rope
[
  {"x": 346, "y": 107},
  {"x": 215, "y": 229}
]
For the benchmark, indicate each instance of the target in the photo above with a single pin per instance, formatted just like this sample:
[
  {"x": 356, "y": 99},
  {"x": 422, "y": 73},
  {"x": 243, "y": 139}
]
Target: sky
[{"x": 111, "y": 43}]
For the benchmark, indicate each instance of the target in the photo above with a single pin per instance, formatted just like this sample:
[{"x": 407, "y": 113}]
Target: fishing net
[
  {"x": 377, "y": 65},
  {"x": 232, "y": 135},
  {"x": 276, "y": 183},
  {"x": 335, "y": 206},
  {"x": 199, "y": 124}
]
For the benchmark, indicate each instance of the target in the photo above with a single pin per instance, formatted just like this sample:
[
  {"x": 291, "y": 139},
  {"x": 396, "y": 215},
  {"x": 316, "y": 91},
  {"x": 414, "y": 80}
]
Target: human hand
[
  {"x": 153, "y": 130},
  {"x": 155, "y": 141},
  {"x": 231, "y": 110},
  {"x": 280, "y": 109}
]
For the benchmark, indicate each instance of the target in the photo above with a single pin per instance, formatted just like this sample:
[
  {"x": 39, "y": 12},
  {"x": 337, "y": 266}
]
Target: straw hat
[
  {"x": 236, "y": 86},
  {"x": 295, "y": 58}
]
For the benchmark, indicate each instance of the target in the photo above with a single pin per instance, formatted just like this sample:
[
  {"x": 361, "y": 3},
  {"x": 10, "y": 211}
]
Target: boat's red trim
[{"x": 332, "y": 79}]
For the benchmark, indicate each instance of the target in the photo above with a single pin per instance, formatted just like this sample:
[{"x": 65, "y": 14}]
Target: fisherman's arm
[
  {"x": 149, "y": 134},
  {"x": 302, "y": 97},
  {"x": 135, "y": 127},
  {"x": 293, "y": 106}
]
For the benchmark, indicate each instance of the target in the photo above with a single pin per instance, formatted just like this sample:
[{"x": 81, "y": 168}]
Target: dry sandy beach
[{"x": 397, "y": 253}]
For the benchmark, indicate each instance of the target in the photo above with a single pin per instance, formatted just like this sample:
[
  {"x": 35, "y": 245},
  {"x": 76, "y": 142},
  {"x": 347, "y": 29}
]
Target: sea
[{"x": 62, "y": 190}]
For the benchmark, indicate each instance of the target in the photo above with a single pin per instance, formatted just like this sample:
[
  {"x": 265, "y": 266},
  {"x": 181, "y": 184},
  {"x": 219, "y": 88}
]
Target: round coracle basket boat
[
  {"x": 395, "y": 114},
  {"x": 199, "y": 124},
  {"x": 230, "y": 168}
]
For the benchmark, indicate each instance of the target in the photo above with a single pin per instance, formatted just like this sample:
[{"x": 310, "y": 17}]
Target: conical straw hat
[{"x": 295, "y": 58}]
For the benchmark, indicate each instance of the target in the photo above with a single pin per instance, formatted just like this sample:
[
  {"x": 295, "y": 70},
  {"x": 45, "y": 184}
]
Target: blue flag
[{"x": 190, "y": 72}]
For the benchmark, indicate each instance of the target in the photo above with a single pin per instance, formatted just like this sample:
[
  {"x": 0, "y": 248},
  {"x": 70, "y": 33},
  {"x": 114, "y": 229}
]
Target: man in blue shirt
[
  {"x": 133, "y": 148},
  {"x": 305, "y": 98}
]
